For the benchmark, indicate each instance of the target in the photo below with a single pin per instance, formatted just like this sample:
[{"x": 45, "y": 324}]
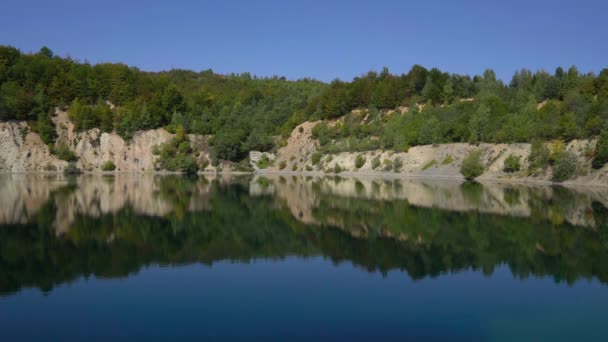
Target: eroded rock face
[
  {"x": 22, "y": 150},
  {"x": 256, "y": 156}
]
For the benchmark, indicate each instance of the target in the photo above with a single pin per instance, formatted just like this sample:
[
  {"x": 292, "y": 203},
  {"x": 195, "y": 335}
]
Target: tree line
[{"x": 244, "y": 112}]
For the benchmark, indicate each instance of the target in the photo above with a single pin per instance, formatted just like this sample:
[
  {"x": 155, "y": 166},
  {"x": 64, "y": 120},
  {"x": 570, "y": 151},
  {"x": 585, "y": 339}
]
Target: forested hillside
[{"x": 244, "y": 112}]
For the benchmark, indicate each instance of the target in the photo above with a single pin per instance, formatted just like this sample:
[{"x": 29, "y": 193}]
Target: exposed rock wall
[{"x": 436, "y": 161}]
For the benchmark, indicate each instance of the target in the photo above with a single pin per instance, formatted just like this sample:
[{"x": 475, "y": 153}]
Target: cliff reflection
[{"x": 54, "y": 229}]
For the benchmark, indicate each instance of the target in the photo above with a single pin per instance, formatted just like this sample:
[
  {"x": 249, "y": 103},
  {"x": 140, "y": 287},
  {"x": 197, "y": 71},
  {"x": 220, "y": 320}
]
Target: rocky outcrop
[
  {"x": 429, "y": 161},
  {"x": 22, "y": 150}
]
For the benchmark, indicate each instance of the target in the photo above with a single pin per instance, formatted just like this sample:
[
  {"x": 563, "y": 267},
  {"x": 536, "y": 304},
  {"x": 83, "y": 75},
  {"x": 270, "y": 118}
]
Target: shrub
[
  {"x": 309, "y": 168},
  {"x": 292, "y": 158},
  {"x": 539, "y": 155},
  {"x": 63, "y": 152},
  {"x": 429, "y": 164},
  {"x": 557, "y": 150},
  {"x": 360, "y": 161},
  {"x": 337, "y": 168},
  {"x": 72, "y": 169},
  {"x": 397, "y": 164},
  {"x": 50, "y": 167},
  {"x": 447, "y": 160},
  {"x": 282, "y": 165},
  {"x": 601, "y": 151},
  {"x": 203, "y": 164},
  {"x": 472, "y": 165},
  {"x": 108, "y": 166},
  {"x": 512, "y": 164},
  {"x": 388, "y": 164},
  {"x": 263, "y": 162},
  {"x": 565, "y": 167},
  {"x": 316, "y": 158},
  {"x": 175, "y": 155},
  {"x": 294, "y": 167},
  {"x": 375, "y": 162}
]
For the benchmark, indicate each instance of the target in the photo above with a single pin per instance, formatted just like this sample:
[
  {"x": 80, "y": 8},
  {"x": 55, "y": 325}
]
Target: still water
[{"x": 165, "y": 257}]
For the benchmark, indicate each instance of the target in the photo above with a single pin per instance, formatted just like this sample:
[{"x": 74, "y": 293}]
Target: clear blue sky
[{"x": 319, "y": 39}]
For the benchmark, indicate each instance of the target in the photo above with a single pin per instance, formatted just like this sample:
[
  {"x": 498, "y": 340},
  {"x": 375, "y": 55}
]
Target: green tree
[
  {"x": 472, "y": 165},
  {"x": 601, "y": 150}
]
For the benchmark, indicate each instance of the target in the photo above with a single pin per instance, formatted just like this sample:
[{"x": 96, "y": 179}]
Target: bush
[
  {"x": 512, "y": 164},
  {"x": 50, "y": 167},
  {"x": 565, "y": 167},
  {"x": 557, "y": 150},
  {"x": 316, "y": 158},
  {"x": 72, "y": 169},
  {"x": 397, "y": 164},
  {"x": 539, "y": 156},
  {"x": 263, "y": 162},
  {"x": 375, "y": 162},
  {"x": 294, "y": 167},
  {"x": 360, "y": 161},
  {"x": 63, "y": 152},
  {"x": 388, "y": 164},
  {"x": 108, "y": 166},
  {"x": 337, "y": 168},
  {"x": 447, "y": 160},
  {"x": 175, "y": 155},
  {"x": 601, "y": 151},
  {"x": 282, "y": 165},
  {"x": 472, "y": 165},
  {"x": 203, "y": 164},
  {"x": 429, "y": 165}
]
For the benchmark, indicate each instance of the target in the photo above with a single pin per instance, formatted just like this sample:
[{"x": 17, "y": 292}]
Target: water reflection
[{"x": 54, "y": 229}]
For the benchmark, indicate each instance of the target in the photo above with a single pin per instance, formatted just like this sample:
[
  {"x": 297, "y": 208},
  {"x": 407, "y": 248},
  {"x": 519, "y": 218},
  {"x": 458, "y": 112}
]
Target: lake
[{"x": 281, "y": 257}]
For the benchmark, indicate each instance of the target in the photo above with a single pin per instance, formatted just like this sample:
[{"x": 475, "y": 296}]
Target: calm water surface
[{"x": 156, "y": 257}]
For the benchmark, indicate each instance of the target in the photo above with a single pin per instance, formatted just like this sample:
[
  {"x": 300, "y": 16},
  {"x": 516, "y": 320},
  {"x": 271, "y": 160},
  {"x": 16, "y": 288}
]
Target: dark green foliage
[
  {"x": 601, "y": 150},
  {"x": 337, "y": 168},
  {"x": 565, "y": 167},
  {"x": 512, "y": 164},
  {"x": 263, "y": 162},
  {"x": 72, "y": 169},
  {"x": 539, "y": 156},
  {"x": 227, "y": 144},
  {"x": 176, "y": 154},
  {"x": 204, "y": 102},
  {"x": 63, "y": 152},
  {"x": 360, "y": 161},
  {"x": 472, "y": 165},
  {"x": 398, "y": 164},
  {"x": 375, "y": 162},
  {"x": 315, "y": 158},
  {"x": 108, "y": 166},
  {"x": 45, "y": 127},
  {"x": 245, "y": 112}
]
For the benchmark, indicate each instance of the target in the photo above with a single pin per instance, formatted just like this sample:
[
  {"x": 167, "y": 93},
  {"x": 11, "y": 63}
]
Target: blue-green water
[{"x": 155, "y": 257}]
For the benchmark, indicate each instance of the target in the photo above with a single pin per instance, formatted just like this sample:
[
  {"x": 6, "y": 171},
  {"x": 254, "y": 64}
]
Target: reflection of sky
[{"x": 307, "y": 298}]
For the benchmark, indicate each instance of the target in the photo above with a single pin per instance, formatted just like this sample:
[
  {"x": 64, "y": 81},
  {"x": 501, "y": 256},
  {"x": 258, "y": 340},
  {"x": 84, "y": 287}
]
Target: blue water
[
  {"x": 306, "y": 298},
  {"x": 249, "y": 275}
]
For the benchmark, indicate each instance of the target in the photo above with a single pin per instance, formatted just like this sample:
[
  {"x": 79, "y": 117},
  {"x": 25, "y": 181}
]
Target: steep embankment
[
  {"x": 22, "y": 150},
  {"x": 439, "y": 161}
]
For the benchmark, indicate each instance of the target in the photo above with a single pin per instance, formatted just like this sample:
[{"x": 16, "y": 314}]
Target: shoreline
[{"x": 362, "y": 175}]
